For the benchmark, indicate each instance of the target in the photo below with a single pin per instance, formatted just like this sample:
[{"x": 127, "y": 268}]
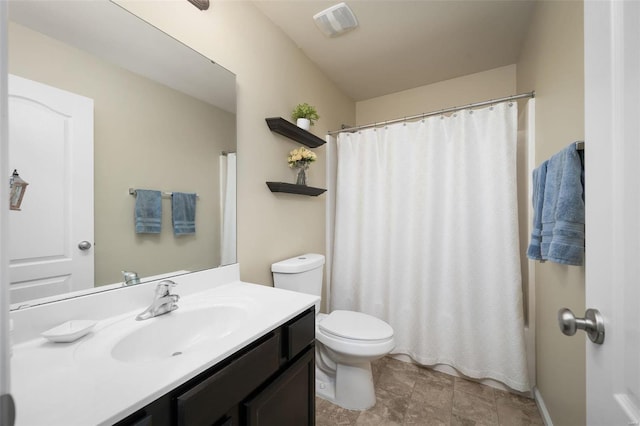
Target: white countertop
[{"x": 80, "y": 383}]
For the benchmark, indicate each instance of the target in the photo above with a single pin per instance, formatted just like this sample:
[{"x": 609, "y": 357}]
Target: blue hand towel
[
  {"x": 539, "y": 178},
  {"x": 183, "y": 206},
  {"x": 563, "y": 209},
  {"x": 148, "y": 211}
]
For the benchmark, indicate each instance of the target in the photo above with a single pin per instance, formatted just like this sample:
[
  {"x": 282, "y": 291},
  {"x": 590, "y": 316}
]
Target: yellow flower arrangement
[{"x": 301, "y": 157}]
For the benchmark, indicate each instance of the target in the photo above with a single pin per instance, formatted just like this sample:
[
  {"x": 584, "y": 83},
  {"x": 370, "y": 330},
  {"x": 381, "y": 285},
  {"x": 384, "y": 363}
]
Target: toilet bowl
[
  {"x": 346, "y": 344},
  {"x": 346, "y": 341}
]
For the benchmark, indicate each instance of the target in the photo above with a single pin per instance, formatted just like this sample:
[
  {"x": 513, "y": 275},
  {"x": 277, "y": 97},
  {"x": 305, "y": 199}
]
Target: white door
[
  {"x": 51, "y": 147},
  {"x": 612, "y": 155}
]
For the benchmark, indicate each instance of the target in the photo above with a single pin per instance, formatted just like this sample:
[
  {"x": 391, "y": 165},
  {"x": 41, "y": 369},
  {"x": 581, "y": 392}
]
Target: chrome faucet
[{"x": 163, "y": 301}]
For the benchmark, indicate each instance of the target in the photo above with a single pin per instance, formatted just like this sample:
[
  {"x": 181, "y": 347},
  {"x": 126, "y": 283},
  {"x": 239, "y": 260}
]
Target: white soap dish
[{"x": 69, "y": 331}]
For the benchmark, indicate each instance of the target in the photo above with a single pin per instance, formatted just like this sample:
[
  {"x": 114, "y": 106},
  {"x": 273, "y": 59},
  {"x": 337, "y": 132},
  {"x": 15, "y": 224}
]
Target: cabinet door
[
  {"x": 146, "y": 421},
  {"x": 289, "y": 400},
  {"x": 211, "y": 400},
  {"x": 158, "y": 413}
]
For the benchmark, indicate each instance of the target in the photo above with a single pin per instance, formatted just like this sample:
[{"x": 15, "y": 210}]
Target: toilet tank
[{"x": 301, "y": 273}]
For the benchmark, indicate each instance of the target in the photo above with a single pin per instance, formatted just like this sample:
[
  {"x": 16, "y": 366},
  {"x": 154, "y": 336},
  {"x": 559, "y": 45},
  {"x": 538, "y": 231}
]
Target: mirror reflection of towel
[
  {"x": 148, "y": 211},
  {"x": 183, "y": 212}
]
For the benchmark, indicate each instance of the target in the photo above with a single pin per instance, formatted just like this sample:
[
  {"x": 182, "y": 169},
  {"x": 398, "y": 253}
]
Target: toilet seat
[
  {"x": 350, "y": 325},
  {"x": 338, "y": 333}
]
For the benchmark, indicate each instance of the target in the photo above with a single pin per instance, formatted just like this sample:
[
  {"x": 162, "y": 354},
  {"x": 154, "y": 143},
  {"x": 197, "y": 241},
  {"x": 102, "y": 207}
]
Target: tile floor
[{"x": 410, "y": 395}]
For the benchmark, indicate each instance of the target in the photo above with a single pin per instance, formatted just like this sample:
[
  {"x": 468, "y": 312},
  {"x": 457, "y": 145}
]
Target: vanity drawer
[
  {"x": 299, "y": 333},
  {"x": 208, "y": 401}
]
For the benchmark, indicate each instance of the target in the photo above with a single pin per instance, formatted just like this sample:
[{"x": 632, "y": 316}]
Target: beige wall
[
  {"x": 477, "y": 87},
  {"x": 273, "y": 75},
  {"x": 551, "y": 63},
  {"x": 146, "y": 136}
]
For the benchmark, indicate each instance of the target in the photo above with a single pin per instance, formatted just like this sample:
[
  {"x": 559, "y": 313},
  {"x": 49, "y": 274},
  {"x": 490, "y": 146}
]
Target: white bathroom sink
[
  {"x": 179, "y": 332},
  {"x": 183, "y": 331}
]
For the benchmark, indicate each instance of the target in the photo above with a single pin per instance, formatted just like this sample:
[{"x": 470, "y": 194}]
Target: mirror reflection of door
[{"x": 51, "y": 145}]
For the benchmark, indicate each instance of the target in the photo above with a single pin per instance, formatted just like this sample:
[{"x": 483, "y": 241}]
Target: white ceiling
[{"x": 402, "y": 44}]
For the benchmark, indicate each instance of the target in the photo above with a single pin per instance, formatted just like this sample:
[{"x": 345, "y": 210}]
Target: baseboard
[{"x": 544, "y": 413}]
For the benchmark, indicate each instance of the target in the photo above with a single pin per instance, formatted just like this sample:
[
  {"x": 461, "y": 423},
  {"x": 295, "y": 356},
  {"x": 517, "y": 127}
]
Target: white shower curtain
[
  {"x": 228, "y": 199},
  {"x": 426, "y": 238}
]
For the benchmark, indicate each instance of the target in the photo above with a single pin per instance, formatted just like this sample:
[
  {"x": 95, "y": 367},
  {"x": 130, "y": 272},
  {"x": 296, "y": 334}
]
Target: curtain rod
[{"x": 439, "y": 112}]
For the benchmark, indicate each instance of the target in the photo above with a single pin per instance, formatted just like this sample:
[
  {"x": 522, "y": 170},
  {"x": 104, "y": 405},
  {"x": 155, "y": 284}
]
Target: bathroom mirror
[{"x": 161, "y": 116}]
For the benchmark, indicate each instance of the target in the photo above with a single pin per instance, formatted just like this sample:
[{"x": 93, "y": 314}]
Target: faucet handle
[
  {"x": 164, "y": 287},
  {"x": 130, "y": 277}
]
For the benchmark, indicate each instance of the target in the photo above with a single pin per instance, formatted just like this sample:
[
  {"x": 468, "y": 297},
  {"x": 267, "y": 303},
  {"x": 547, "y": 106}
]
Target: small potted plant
[{"x": 305, "y": 115}]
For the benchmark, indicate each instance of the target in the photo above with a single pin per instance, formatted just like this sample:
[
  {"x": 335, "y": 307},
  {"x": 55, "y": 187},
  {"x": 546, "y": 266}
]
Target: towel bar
[{"x": 165, "y": 194}]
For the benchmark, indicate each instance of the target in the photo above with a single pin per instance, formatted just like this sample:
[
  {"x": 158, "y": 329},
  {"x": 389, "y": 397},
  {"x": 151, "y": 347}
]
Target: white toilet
[{"x": 346, "y": 341}]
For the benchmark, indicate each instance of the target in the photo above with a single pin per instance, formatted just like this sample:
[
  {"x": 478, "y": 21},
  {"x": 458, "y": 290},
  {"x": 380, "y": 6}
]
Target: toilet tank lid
[{"x": 302, "y": 263}]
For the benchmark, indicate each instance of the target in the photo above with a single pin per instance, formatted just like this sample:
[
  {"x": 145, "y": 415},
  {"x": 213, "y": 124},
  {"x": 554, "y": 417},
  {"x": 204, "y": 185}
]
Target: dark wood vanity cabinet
[{"x": 269, "y": 382}]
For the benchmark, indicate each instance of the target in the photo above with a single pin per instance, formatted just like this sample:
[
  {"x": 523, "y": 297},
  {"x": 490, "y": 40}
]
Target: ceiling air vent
[{"x": 336, "y": 20}]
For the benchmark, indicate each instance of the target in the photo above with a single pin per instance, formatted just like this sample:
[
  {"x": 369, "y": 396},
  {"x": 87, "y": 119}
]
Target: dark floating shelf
[
  {"x": 290, "y": 130},
  {"x": 294, "y": 189}
]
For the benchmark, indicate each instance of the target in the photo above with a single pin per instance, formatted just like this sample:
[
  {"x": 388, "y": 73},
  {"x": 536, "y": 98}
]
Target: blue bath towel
[
  {"x": 539, "y": 178},
  {"x": 563, "y": 209},
  {"x": 183, "y": 208},
  {"x": 148, "y": 211}
]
